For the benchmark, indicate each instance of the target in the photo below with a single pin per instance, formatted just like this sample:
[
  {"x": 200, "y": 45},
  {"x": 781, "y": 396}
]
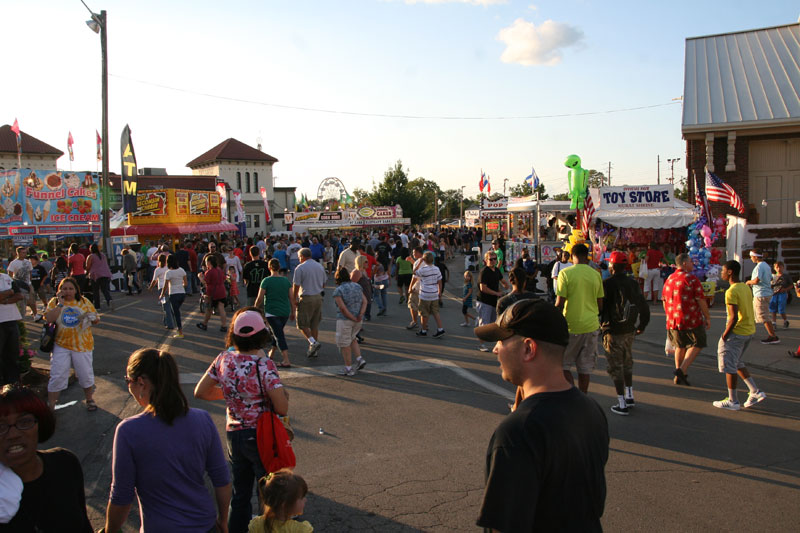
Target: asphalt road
[{"x": 402, "y": 444}]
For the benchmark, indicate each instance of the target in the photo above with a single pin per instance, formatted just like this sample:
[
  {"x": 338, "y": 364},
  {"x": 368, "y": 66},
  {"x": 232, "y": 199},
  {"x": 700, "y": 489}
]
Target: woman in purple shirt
[
  {"x": 160, "y": 455},
  {"x": 100, "y": 274}
]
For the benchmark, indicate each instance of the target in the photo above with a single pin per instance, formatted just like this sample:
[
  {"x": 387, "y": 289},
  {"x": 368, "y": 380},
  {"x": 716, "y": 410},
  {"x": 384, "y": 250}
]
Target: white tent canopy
[{"x": 678, "y": 216}]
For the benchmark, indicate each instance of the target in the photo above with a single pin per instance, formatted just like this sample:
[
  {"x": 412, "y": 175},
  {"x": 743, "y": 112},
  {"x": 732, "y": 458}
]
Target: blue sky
[{"x": 434, "y": 58}]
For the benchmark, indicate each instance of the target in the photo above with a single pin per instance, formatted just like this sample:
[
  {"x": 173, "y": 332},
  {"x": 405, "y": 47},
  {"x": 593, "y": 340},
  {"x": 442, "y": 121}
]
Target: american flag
[
  {"x": 701, "y": 201},
  {"x": 719, "y": 191},
  {"x": 586, "y": 215}
]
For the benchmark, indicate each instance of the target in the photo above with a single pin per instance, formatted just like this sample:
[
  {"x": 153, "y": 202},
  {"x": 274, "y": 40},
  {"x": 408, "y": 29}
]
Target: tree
[
  {"x": 523, "y": 189},
  {"x": 682, "y": 190},
  {"x": 596, "y": 179},
  {"x": 561, "y": 196}
]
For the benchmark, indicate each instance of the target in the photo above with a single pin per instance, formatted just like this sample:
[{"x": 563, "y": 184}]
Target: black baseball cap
[{"x": 530, "y": 317}]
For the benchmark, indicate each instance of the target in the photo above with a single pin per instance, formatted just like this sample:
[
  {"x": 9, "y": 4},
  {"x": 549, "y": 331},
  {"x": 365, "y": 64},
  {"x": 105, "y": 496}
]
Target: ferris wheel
[{"x": 331, "y": 189}]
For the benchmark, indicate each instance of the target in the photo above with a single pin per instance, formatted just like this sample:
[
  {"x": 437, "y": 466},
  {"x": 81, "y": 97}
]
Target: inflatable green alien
[{"x": 578, "y": 180}]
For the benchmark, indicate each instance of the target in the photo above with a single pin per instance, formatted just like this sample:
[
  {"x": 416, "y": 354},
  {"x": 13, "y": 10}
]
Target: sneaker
[
  {"x": 411, "y": 325},
  {"x": 630, "y": 402},
  {"x": 754, "y": 398},
  {"x": 464, "y": 324},
  {"x": 771, "y": 340},
  {"x": 402, "y": 300},
  {"x": 727, "y": 404},
  {"x": 785, "y": 324},
  {"x": 680, "y": 377},
  {"x": 178, "y": 336},
  {"x": 422, "y": 333},
  {"x": 313, "y": 349},
  {"x": 360, "y": 363},
  {"x": 623, "y": 411},
  {"x": 439, "y": 334},
  {"x": 484, "y": 348},
  {"x": 795, "y": 355},
  {"x": 202, "y": 326},
  {"x": 350, "y": 373}
]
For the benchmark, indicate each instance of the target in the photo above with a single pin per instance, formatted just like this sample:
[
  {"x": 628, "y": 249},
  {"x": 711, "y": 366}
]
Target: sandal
[
  {"x": 284, "y": 365},
  {"x": 794, "y": 355},
  {"x": 91, "y": 405}
]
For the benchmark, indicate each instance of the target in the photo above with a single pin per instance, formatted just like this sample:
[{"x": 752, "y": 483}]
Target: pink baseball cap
[{"x": 248, "y": 324}]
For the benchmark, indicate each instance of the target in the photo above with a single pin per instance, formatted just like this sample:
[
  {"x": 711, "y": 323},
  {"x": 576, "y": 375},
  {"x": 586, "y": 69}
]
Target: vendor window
[{"x": 247, "y": 181}]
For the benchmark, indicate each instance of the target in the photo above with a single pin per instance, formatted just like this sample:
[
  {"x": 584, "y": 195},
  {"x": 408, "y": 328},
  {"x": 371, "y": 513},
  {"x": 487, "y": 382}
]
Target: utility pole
[
  {"x": 462, "y": 206},
  {"x": 435, "y": 201},
  {"x": 658, "y": 169},
  {"x": 609, "y": 174},
  {"x": 505, "y": 180}
]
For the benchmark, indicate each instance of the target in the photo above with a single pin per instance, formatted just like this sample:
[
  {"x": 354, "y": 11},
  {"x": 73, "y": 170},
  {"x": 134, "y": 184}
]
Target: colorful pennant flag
[
  {"x": 222, "y": 191},
  {"x": 482, "y": 181},
  {"x": 15, "y": 129},
  {"x": 719, "y": 191},
  {"x": 267, "y": 215},
  {"x": 99, "y": 146},
  {"x": 532, "y": 180},
  {"x": 130, "y": 174},
  {"x": 70, "y": 142}
]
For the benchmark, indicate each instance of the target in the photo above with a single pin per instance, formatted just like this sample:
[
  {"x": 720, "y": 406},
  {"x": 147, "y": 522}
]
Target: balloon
[
  {"x": 708, "y": 242},
  {"x": 705, "y": 231},
  {"x": 694, "y": 233},
  {"x": 707, "y": 252},
  {"x": 577, "y": 180},
  {"x": 689, "y": 243},
  {"x": 693, "y": 250}
]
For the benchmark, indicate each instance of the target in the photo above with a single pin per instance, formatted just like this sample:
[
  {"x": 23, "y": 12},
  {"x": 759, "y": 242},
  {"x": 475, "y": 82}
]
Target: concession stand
[
  {"x": 311, "y": 221},
  {"x": 41, "y": 207}
]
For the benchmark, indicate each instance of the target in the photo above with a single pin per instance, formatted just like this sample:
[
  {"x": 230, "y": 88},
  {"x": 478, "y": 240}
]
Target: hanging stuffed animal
[{"x": 578, "y": 181}]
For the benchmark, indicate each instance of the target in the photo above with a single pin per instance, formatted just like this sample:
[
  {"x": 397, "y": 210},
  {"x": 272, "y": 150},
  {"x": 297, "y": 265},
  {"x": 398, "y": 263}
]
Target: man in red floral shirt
[{"x": 687, "y": 316}]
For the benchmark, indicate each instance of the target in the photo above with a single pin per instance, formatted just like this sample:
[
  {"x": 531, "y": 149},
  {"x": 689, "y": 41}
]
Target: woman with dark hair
[
  {"x": 50, "y": 481},
  {"x": 174, "y": 290},
  {"x": 405, "y": 270},
  {"x": 159, "y": 280},
  {"x": 74, "y": 343},
  {"x": 77, "y": 268},
  {"x": 249, "y": 383},
  {"x": 161, "y": 455},
  {"x": 59, "y": 271},
  {"x": 276, "y": 298},
  {"x": 213, "y": 279},
  {"x": 100, "y": 274}
]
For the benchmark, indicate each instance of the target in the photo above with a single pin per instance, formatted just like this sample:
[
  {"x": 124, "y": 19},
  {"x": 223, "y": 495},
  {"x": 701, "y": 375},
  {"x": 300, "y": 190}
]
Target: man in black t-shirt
[
  {"x": 489, "y": 282},
  {"x": 382, "y": 250},
  {"x": 253, "y": 272},
  {"x": 545, "y": 465}
]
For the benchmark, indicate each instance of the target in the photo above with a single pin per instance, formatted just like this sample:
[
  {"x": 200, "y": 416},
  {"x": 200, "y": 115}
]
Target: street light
[
  {"x": 462, "y": 206},
  {"x": 672, "y": 168},
  {"x": 99, "y": 24}
]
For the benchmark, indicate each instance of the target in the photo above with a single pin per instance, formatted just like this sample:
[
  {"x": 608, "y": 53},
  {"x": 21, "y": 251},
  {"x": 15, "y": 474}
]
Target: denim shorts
[{"x": 777, "y": 304}]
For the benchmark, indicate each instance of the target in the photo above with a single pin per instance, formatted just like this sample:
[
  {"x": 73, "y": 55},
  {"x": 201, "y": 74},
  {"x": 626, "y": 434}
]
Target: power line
[{"x": 389, "y": 115}]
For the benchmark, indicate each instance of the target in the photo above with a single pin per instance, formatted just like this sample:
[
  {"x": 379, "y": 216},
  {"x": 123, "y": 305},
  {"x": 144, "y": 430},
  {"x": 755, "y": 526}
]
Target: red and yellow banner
[{"x": 174, "y": 206}]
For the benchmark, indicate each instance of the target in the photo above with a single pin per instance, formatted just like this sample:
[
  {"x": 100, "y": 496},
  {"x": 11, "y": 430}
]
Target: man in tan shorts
[
  {"x": 413, "y": 291},
  {"x": 308, "y": 283}
]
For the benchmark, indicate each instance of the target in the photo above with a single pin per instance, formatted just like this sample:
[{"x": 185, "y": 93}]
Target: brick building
[
  {"x": 36, "y": 154},
  {"x": 741, "y": 120}
]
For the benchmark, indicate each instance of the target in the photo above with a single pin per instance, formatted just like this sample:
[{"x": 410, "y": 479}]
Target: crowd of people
[{"x": 538, "y": 337}]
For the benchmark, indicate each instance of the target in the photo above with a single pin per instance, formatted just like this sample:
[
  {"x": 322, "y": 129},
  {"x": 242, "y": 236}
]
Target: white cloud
[
  {"x": 473, "y": 2},
  {"x": 528, "y": 45}
]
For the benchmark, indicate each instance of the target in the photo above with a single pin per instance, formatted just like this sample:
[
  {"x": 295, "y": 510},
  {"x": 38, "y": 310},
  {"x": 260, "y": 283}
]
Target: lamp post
[
  {"x": 672, "y": 168},
  {"x": 99, "y": 24},
  {"x": 462, "y": 206}
]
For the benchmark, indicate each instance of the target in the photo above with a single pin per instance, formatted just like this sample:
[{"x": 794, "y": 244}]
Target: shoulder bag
[{"x": 274, "y": 445}]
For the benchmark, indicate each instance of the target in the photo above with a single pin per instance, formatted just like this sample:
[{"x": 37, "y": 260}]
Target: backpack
[{"x": 624, "y": 313}]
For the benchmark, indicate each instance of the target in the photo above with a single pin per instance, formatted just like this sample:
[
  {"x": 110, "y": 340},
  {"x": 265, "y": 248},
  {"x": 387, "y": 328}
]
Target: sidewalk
[{"x": 771, "y": 357}]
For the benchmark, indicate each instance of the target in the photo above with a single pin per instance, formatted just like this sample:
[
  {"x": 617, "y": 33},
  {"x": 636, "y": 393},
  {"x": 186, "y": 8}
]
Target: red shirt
[
  {"x": 681, "y": 293},
  {"x": 371, "y": 262},
  {"x": 192, "y": 259},
  {"x": 653, "y": 257},
  {"x": 76, "y": 264},
  {"x": 215, "y": 283}
]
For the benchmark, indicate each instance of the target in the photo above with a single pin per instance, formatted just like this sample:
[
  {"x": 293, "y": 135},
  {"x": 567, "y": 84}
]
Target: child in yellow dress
[{"x": 284, "y": 496}]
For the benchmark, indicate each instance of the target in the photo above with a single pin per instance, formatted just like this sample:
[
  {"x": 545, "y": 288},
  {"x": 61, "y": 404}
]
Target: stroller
[{"x": 472, "y": 260}]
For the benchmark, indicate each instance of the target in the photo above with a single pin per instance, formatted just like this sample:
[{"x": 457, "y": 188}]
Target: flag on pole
[
  {"x": 267, "y": 214},
  {"x": 700, "y": 200},
  {"x": 719, "y": 191},
  {"x": 532, "y": 180},
  {"x": 222, "y": 191},
  {"x": 488, "y": 186},
  {"x": 15, "y": 129},
  {"x": 99, "y": 146},
  {"x": 70, "y": 142},
  {"x": 130, "y": 174},
  {"x": 482, "y": 182},
  {"x": 586, "y": 215}
]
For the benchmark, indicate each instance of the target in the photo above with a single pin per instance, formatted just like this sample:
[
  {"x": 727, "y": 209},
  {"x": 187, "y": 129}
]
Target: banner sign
[
  {"x": 267, "y": 215},
  {"x": 222, "y": 192},
  {"x": 637, "y": 197},
  {"x": 237, "y": 202},
  {"x": 494, "y": 205},
  {"x": 175, "y": 206},
  {"x": 129, "y": 172},
  {"x": 31, "y": 200}
]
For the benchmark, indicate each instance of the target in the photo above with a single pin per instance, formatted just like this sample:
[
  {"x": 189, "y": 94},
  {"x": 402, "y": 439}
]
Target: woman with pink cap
[{"x": 248, "y": 381}]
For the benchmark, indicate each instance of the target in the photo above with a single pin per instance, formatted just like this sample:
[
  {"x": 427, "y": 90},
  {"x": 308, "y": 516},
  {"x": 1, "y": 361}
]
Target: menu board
[{"x": 175, "y": 206}]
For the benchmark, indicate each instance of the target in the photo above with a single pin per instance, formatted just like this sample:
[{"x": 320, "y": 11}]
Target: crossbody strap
[{"x": 264, "y": 398}]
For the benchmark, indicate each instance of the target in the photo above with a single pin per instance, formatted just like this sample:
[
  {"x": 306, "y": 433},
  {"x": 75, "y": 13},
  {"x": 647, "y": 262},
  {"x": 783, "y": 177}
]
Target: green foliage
[
  {"x": 596, "y": 179},
  {"x": 561, "y": 196},
  {"x": 523, "y": 189}
]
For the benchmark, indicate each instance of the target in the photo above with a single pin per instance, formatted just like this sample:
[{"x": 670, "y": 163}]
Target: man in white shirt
[
  {"x": 429, "y": 279},
  {"x": 347, "y": 258},
  {"x": 20, "y": 270},
  {"x": 308, "y": 283},
  {"x": 404, "y": 238},
  {"x": 9, "y": 331}
]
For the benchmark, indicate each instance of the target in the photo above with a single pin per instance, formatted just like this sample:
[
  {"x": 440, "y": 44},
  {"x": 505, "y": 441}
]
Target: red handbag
[{"x": 274, "y": 445}]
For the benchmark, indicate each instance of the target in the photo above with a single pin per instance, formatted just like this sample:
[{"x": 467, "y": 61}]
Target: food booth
[{"x": 311, "y": 221}]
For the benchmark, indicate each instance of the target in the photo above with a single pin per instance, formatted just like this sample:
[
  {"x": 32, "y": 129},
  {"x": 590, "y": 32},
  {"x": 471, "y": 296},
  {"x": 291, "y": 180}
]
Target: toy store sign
[{"x": 637, "y": 197}]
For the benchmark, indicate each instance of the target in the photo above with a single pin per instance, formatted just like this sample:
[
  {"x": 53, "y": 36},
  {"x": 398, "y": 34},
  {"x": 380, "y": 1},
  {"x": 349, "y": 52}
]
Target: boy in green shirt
[{"x": 738, "y": 333}]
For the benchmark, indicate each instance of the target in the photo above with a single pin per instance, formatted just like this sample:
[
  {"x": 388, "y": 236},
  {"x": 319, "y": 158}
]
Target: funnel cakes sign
[{"x": 39, "y": 198}]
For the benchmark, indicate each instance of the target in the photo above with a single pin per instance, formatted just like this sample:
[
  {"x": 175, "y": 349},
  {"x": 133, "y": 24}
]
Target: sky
[{"x": 347, "y": 88}]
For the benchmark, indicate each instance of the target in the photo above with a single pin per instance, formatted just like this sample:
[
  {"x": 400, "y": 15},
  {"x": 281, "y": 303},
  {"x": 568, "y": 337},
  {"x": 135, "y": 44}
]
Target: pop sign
[{"x": 636, "y": 197}]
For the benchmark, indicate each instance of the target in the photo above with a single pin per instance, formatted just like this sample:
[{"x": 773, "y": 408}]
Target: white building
[{"x": 36, "y": 154}]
